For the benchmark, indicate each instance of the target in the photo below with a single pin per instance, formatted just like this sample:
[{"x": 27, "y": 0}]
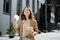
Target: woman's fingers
[{"x": 35, "y": 33}]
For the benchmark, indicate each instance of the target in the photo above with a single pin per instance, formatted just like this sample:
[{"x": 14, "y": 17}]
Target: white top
[
  {"x": 16, "y": 17},
  {"x": 25, "y": 25}
]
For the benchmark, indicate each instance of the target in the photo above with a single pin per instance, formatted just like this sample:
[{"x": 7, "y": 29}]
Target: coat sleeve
[
  {"x": 20, "y": 33},
  {"x": 35, "y": 26}
]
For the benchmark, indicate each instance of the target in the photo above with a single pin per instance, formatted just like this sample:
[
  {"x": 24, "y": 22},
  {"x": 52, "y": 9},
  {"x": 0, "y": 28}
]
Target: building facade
[{"x": 8, "y": 8}]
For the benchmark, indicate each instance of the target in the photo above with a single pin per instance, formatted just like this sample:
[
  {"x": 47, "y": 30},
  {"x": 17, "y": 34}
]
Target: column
[
  {"x": 23, "y": 4},
  {"x": 30, "y": 3}
]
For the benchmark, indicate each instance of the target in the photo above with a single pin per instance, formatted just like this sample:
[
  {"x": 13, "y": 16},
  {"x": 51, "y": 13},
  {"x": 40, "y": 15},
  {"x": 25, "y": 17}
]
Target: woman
[{"x": 28, "y": 25}]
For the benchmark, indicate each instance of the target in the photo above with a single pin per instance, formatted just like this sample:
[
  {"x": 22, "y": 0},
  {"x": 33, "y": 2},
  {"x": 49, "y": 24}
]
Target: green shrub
[
  {"x": 39, "y": 31},
  {"x": 11, "y": 31},
  {"x": 44, "y": 31}
]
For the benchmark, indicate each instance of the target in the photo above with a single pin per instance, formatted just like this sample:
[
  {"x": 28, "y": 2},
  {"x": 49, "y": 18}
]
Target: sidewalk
[
  {"x": 42, "y": 36},
  {"x": 48, "y": 36}
]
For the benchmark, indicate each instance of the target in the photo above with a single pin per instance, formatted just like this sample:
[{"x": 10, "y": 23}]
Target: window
[
  {"x": 19, "y": 6},
  {"x": 37, "y": 5},
  {"x": 53, "y": 2},
  {"x": 7, "y": 7},
  {"x": 37, "y": 10},
  {"x": 33, "y": 5},
  {"x": 27, "y": 2}
]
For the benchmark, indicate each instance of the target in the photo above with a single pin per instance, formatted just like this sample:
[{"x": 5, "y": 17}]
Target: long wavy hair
[{"x": 23, "y": 17}]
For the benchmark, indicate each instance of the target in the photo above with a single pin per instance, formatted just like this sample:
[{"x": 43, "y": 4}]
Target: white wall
[{"x": 4, "y": 19}]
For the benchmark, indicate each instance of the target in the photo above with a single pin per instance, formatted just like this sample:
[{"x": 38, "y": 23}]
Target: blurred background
[{"x": 46, "y": 12}]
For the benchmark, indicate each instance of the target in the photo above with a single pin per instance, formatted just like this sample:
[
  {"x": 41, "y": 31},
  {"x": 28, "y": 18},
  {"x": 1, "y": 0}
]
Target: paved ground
[
  {"x": 48, "y": 36},
  {"x": 42, "y": 36}
]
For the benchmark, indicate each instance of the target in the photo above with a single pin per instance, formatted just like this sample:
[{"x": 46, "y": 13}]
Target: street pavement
[{"x": 43, "y": 36}]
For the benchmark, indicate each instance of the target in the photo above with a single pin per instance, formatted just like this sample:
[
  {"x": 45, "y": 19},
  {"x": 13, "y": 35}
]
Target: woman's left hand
[{"x": 35, "y": 33}]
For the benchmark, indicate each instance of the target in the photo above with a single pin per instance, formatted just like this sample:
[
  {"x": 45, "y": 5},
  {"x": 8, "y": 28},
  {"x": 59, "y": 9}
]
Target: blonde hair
[{"x": 32, "y": 15}]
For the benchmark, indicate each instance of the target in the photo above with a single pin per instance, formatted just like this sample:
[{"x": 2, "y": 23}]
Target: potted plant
[
  {"x": 11, "y": 31},
  {"x": 39, "y": 31},
  {"x": 44, "y": 31},
  {"x": 0, "y": 33}
]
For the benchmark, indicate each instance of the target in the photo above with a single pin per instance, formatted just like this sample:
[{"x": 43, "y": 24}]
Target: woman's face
[{"x": 26, "y": 12}]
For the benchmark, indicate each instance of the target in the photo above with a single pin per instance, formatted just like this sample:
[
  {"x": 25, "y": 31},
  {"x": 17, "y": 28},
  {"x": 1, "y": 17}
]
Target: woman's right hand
[{"x": 29, "y": 30}]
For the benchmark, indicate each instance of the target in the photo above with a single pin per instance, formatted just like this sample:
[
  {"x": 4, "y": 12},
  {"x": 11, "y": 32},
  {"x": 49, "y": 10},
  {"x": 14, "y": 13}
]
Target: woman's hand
[
  {"x": 29, "y": 30},
  {"x": 35, "y": 33}
]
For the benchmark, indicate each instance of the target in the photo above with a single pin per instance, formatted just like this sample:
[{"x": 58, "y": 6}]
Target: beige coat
[{"x": 33, "y": 23}]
